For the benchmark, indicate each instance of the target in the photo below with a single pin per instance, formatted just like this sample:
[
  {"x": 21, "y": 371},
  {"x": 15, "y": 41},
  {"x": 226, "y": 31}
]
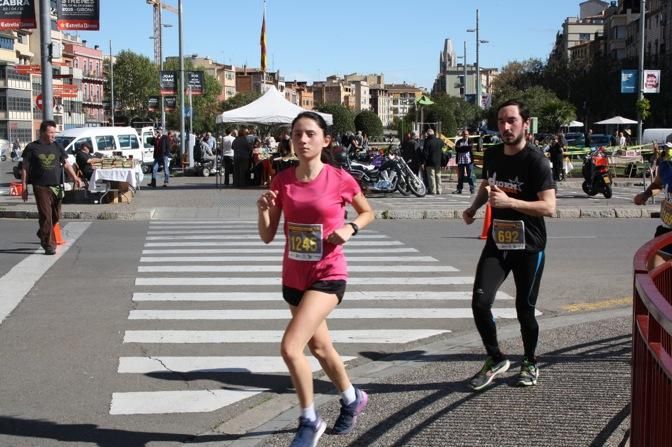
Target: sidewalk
[
  {"x": 421, "y": 397},
  {"x": 197, "y": 197}
]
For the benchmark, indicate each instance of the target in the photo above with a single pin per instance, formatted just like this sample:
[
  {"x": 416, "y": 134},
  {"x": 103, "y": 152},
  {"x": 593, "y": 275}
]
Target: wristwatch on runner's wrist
[{"x": 355, "y": 228}]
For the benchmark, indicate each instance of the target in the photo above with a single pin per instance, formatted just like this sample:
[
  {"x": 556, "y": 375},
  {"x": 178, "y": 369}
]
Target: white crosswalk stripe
[{"x": 195, "y": 273}]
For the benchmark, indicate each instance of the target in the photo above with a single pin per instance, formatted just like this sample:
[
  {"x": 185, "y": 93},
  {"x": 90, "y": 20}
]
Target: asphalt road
[{"x": 87, "y": 355}]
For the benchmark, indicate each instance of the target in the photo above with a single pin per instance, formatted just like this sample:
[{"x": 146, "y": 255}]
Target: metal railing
[{"x": 651, "y": 407}]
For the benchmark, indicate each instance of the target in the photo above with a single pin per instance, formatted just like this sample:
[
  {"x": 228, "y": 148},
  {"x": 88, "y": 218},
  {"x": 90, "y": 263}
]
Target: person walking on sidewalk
[
  {"x": 465, "y": 162},
  {"x": 162, "y": 154},
  {"x": 43, "y": 164},
  {"x": 518, "y": 185},
  {"x": 433, "y": 150},
  {"x": 312, "y": 197}
]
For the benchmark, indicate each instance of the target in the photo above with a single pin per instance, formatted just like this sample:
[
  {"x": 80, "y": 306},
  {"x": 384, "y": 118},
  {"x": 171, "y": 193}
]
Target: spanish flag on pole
[{"x": 262, "y": 42}]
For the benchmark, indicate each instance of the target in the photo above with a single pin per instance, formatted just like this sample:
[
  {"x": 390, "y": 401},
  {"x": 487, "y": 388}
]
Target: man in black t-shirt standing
[
  {"x": 43, "y": 164},
  {"x": 518, "y": 185}
]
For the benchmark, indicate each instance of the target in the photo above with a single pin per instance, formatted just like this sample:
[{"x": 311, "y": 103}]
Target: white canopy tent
[
  {"x": 617, "y": 120},
  {"x": 271, "y": 108},
  {"x": 574, "y": 124}
]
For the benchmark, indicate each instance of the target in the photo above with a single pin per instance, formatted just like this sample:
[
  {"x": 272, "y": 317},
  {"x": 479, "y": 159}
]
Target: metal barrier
[{"x": 651, "y": 404}]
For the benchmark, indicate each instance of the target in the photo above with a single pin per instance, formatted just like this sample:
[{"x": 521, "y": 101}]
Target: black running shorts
[{"x": 334, "y": 287}]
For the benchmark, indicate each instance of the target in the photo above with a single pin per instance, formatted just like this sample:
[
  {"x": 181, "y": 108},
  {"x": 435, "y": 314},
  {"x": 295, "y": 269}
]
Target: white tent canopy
[
  {"x": 574, "y": 124},
  {"x": 617, "y": 120},
  {"x": 270, "y": 108}
]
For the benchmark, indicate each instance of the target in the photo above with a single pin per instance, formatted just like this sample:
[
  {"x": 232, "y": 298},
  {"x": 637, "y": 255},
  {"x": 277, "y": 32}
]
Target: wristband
[{"x": 355, "y": 228}]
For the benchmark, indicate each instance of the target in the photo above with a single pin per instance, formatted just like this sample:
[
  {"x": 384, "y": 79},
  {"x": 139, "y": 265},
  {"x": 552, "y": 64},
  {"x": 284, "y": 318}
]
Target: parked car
[
  {"x": 575, "y": 139},
  {"x": 600, "y": 139}
]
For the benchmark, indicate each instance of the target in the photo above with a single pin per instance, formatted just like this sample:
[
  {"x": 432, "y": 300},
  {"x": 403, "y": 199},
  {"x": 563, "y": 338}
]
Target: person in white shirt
[{"x": 227, "y": 154}]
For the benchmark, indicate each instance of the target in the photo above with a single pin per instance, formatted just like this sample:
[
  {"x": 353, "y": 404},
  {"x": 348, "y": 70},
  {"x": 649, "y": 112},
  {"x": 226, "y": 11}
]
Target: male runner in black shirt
[{"x": 518, "y": 185}]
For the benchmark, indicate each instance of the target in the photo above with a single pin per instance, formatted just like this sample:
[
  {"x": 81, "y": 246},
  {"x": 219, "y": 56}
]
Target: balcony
[
  {"x": 92, "y": 100},
  {"x": 92, "y": 75}
]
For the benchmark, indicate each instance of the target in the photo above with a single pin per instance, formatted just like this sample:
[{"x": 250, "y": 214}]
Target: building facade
[
  {"x": 86, "y": 71},
  {"x": 402, "y": 98}
]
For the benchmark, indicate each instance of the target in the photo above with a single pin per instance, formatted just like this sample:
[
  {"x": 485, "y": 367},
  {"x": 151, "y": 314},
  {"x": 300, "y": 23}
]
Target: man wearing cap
[{"x": 662, "y": 182}]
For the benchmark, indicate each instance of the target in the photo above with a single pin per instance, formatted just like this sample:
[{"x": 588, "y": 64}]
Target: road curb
[{"x": 383, "y": 214}]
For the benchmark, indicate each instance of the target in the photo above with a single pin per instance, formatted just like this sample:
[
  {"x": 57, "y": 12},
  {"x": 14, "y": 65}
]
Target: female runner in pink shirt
[{"x": 313, "y": 197}]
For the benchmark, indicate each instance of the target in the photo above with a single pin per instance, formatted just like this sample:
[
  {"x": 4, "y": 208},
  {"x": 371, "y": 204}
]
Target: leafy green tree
[
  {"x": 239, "y": 100},
  {"x": 344, "y": 119},
  {"x": 136, "y": 78},
  {"x": 443, "y": 110},
  {"x": 369, "y": 123}
]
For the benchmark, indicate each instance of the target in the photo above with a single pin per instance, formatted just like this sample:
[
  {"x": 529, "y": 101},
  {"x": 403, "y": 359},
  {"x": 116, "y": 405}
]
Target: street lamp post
[
  {"x": 159, "y": 63},
  {"x": 181, "y": 93},
  {"x": 478, "y": 70},
  {"x": 640, "y": 96}
]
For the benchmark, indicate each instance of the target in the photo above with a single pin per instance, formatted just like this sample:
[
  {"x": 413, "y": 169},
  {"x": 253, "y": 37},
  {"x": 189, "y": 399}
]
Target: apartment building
[
  {"x": 16, "y": 102},
  {"x": 333, "y": 90},
  {"x": 299, "y": 93},
  {"x": 252, "y": 80},
  {"x": 381, "y": 103},
  {"x": 579, "y": 30},
  {"x": 86, "y": 71},
  {"x": 225, "y": 74},
  {"x": 403, "y": 97}
]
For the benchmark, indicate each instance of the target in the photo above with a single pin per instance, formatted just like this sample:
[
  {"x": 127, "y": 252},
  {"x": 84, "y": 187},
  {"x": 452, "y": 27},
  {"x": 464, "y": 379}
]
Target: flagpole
[{"x": 263, "y": 50}]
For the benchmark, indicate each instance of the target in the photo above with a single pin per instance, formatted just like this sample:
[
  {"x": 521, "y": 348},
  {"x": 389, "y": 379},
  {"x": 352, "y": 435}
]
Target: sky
[{"x": 308, "y": 40}]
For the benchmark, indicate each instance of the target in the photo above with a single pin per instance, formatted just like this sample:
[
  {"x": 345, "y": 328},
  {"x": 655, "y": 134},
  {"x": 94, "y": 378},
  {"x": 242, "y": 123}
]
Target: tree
[
  {"x": 369, "y": 123},
  {"x": 443, "y": 110},
  {"x": 136, "y": 78},
  {"x": 239, "y": 100},
  {"x": 344, "y": 119}
]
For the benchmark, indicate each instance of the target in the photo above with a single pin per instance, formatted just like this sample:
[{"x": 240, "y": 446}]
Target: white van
[
  {"x": 107, "y": 141},
  {"x": 662, "y": 136}
]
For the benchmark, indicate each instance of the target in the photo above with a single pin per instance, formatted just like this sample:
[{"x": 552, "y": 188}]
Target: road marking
[
  {"x": 224, "y": 223},
  {"x": 263, "y": 281},
  {"x": 18, "y": 282},
  {"x": 277, "y": 296},
  {"x": 256, "y": 365},
  {"x": 337, "y": 314},
  {"x": 241, "y": 236},
  {"x": 203, "y": 251},
  {"x": 380, "y": 336},
  {"x": 278, "y": 258},
  {"x": 604, "y": 304},
  {"x": 247, "y": 244},
  {"x": 221, "y": 231},
  {"x": 278, "y": 268},
  {"x": 159, "y": 402}
]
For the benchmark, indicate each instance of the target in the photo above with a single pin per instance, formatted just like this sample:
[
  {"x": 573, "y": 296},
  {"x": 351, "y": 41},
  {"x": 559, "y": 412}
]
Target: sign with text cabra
[
  {"x": 168, "y": 82},
  {"x": 78, "y": 15},
  {"x": 17, "y": 14},
  {"x": 195, "y": 83}
]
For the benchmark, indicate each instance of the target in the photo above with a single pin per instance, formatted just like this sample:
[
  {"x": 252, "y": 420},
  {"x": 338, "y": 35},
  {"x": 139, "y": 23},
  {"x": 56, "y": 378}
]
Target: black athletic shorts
[
  {"x": 334, "y": 287},
  {"x": 666, "y": 251}
]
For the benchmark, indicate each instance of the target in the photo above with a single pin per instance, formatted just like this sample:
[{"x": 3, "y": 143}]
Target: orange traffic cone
[
  {"x": 486, "y": 222},
  {"x": 57, "y": 234}
]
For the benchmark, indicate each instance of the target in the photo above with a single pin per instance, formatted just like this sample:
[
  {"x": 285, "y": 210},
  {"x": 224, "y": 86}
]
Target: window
[
  {"x": 105, "y": 143},
  {"x": 79, "y": 143},
  {"x": 128, "y": 142},
  {"x": 7, "y": 43}
]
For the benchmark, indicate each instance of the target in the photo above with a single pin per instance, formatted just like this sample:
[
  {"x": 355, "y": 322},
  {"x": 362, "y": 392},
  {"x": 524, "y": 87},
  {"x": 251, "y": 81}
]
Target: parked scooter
[{"x": 595, "y": 170}]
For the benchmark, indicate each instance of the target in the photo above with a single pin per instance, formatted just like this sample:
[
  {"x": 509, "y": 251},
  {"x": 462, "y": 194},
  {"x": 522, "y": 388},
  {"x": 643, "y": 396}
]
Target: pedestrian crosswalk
[{"x": 207, "y": 303}]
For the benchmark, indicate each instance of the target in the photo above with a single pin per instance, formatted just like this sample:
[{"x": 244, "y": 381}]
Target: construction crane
[{"x": 158, "y": 5}]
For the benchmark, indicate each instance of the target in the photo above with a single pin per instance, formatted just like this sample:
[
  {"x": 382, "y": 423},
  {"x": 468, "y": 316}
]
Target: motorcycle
[
  {"x": 385, "y": 174},
  {"x": 596, "y": 175}
]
